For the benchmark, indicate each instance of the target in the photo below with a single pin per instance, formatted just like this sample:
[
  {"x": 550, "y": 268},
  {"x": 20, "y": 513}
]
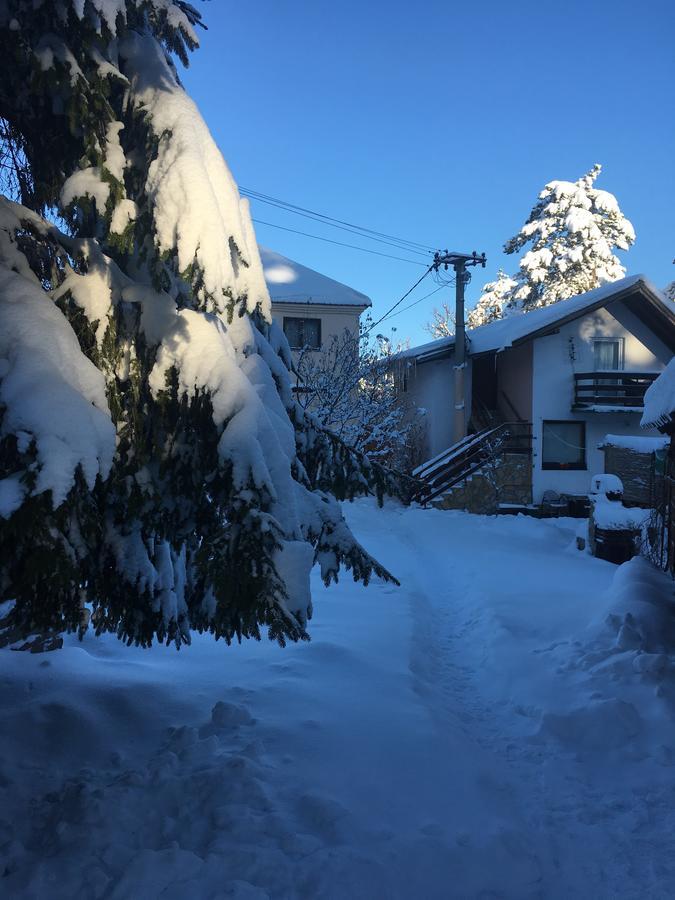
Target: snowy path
[{"x": 451, "y": 738}]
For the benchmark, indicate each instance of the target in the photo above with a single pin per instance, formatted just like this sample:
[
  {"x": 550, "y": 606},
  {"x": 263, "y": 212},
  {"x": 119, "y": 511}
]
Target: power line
[
  {"x": 415, "y": 302},
  {"x": 322, "y": 221},
  {"x": 316, "y": 237},
  {"x": 292, "y": 207},
  {"x": 398, "y": 302}
]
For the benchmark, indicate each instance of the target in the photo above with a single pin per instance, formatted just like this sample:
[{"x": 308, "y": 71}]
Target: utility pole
[{"x": 459, "y": 262}]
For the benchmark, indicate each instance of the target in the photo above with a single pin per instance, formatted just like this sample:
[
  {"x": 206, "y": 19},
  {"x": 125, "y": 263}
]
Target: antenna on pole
[{"x": 459, "y": 262}]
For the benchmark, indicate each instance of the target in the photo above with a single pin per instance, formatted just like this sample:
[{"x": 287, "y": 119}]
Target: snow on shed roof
[
  {"x": 522, "y": 325},
  {"x": 640, "y": 443},
  {"x": 291, "y": 282},
  {"x": 660, "y": 399}
]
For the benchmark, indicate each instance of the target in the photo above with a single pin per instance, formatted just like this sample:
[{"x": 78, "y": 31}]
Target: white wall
[
  {"x": 431, "y": 387},
  {"x": 553, "y": 389}
]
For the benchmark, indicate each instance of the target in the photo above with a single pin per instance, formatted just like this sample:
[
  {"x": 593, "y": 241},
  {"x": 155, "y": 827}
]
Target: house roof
[
  {"x": 660, "y": 399},
  {"x": 290, "y": 282},
  {"x": 636, "y": 291}
]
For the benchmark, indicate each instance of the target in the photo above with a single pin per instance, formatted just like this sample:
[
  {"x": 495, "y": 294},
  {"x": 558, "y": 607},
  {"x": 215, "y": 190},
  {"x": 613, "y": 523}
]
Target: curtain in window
[
  {"x": 606, "y": 355},
  {"x": 564, "y": 445}
]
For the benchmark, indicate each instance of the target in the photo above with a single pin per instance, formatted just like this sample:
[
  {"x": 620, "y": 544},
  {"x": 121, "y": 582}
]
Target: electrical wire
[
  {"x": 301, "y": 210},
  {"x": 322, "y": 221},
  {"x": 398, "y": 302},
  {"x": 415, "y": 302},
  {"x": 414, "y": 262},
  {"x": 359, "y": 231}
]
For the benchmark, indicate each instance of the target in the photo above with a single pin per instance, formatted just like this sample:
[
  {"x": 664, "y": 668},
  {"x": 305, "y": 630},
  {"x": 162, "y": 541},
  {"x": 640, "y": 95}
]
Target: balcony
[{"x": 611, "y": 391}]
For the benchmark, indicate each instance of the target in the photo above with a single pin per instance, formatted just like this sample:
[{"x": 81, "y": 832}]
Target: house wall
[
  {"x": 553, "y": 389},
  {"x": 334, "y": 319},
  {"x": 431, "y": 388}
]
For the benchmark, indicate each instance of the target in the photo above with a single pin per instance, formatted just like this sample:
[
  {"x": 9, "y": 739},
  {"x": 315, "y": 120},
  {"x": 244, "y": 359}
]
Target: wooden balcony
[{"x": 611, "y": 391}]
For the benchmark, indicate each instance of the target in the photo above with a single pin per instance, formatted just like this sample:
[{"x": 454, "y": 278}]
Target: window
[
  {"x": 303, "y": 333},
  {"x": 563, "y": 445},
  {"x": 608, "y": 354}
]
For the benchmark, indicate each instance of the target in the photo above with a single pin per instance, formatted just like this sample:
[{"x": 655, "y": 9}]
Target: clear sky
[{"x": 440, "y": 123}]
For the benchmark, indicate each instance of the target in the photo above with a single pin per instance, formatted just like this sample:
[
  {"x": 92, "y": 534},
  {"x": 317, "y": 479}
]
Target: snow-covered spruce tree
[
  {"x": 155, "y": 470},
  {"x": 495, "y": 302},
  {"x": 572, "y": 231}
]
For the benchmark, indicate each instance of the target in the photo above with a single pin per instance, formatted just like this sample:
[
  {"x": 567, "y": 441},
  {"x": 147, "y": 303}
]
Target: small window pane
[
  {"x": 303, "y": 332},
  {"x": 564, "y": 445},
  {"x": 607, "y": 355},
  {"x": 292, "y": 331},
  {"x": 312, "y": 334}
]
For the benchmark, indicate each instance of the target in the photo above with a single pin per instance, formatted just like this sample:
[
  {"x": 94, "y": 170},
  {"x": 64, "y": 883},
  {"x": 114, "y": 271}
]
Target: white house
[
  {"x": 310, "y": 307},
  {"x": 569, "y": 373}
]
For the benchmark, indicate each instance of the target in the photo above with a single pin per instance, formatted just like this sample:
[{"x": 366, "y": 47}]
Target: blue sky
[{"x": 440, "y": 123}]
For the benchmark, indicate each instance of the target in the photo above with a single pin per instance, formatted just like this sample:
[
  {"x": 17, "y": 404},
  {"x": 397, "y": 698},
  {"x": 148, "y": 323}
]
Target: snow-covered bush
[
  {"x": 156, "y": 472},
  {"x": 571, "y": 233},
  {"x": 353, "y": 388}
]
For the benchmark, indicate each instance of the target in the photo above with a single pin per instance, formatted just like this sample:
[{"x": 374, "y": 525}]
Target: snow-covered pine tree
[
  {"x": 155, "y": 470},
  {"x": 573, "y": 230},
  {"x": 495, "y": 302}
]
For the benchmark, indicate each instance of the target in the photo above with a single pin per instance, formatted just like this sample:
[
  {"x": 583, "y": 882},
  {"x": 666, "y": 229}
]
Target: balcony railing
[{"x": 609, "y": 391}]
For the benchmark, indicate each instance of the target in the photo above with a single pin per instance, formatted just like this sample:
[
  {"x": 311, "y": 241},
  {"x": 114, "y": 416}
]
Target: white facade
[
  {"x": 334, "y": 319},
  {"x": 553, "y": 385},
  {"x": 523, "y": 370}
]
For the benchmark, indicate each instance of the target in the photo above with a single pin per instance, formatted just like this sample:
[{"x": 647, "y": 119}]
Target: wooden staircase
[{"x": 482, "y": 452}]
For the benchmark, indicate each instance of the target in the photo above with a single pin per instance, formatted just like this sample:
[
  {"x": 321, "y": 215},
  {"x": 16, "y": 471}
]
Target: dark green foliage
[{"x": 169, "y": 540}]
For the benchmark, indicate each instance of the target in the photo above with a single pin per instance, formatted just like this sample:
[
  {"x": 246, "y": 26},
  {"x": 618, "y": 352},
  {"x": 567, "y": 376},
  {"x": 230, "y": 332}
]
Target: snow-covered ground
[{"x": 483, "y": 731}]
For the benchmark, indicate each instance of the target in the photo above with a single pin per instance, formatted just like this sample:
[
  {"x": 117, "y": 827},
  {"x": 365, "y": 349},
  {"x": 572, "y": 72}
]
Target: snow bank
[
  {"x": 593, "y": 727},
  {"x": 530, "y": 754},
  {"x": 639, "y": 609}
]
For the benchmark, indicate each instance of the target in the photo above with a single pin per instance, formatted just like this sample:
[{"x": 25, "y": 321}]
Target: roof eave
[{"x": 626, "y": 293}]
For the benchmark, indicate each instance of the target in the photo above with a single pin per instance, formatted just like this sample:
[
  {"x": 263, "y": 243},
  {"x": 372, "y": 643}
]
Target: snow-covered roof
[
  {"x": 520, "y": 326},
  {"x": 290, "y": 282},
  {"x": 660, "y": 399}
]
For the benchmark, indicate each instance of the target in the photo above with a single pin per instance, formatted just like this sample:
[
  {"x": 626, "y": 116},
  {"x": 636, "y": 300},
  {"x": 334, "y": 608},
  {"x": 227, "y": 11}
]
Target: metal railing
[{"x": 466, "y": 457}]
